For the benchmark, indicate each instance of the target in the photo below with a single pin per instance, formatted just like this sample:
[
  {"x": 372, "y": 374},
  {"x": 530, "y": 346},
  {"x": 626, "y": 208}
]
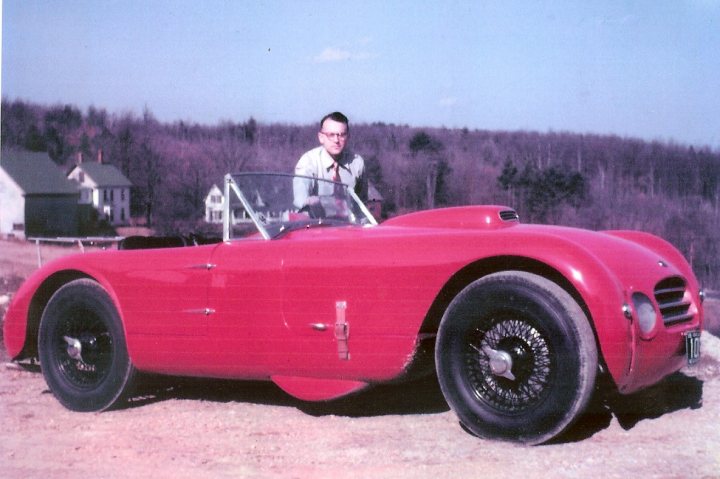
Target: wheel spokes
[
  {"x": 510, "y": 366},
  {"x": 84, "y": 350}
]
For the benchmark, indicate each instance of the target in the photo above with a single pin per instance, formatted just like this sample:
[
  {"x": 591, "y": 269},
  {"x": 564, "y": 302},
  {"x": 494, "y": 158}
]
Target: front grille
[
  {"x": 671, "y": 298},
  {"x": 509, "y": 215}
]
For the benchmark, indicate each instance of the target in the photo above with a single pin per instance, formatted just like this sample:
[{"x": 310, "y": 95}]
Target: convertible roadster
[{"x": 518, "y": 321}]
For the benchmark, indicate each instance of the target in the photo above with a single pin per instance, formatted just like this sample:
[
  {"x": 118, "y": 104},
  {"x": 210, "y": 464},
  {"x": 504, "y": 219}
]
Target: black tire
[
  {"x": 516, "y": 358},
  {"x": 82, "y": 349}
]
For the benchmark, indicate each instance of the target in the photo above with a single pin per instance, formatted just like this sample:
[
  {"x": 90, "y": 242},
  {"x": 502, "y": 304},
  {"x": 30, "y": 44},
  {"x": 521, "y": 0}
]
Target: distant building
[
  {"x": 36, "y": 199},
  {"x": 214, "y": 205},
  {"x": 105, "y": 188}
]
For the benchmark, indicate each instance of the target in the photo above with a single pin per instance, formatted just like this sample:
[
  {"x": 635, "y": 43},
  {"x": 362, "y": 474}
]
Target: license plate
[{"x": 692, "y": 346}]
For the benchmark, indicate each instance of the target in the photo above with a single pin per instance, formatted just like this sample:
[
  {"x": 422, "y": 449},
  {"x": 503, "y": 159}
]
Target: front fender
[
  {"x": 603, "y": 295},
  {"x": 607, "y": 270}
]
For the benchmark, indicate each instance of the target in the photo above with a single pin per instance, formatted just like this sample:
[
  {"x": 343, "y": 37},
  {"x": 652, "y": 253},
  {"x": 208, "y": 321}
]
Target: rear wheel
[
  {"x": 516, "y": 358},
  {"x": 82, "y": 349}
]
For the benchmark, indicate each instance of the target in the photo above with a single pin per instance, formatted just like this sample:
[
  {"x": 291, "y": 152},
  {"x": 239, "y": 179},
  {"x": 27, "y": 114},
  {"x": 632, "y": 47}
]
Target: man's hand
[{"x": 313, "y": 207}]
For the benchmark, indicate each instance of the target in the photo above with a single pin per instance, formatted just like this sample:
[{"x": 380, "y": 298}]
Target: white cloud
[
  {"x": 448, "y": 101},
  {"x": 334, "y": 54}
]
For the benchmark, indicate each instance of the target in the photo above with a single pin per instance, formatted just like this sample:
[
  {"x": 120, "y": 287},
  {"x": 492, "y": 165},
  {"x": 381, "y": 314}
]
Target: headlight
[{"x": 647, "y": 317}]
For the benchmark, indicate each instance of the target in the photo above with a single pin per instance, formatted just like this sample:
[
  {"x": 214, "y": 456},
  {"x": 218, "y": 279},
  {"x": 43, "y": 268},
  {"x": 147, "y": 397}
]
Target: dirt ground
[{"x": 216, "y": 429}]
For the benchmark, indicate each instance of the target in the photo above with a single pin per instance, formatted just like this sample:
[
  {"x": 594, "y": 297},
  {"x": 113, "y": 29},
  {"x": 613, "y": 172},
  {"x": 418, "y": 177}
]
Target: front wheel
[
  {"x": 81, "y": 344},
  {"x": 516, "y": 358}
]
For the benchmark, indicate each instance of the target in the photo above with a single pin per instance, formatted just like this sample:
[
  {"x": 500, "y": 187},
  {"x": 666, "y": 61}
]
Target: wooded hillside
[{"x": 591, "y": 181}]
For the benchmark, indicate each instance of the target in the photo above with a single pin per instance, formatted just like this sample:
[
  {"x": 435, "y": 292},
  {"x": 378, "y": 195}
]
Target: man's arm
[{"x": 302, "y": 186}]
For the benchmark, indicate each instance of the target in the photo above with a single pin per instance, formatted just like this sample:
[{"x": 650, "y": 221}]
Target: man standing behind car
[{"x": 330, "y": 161}]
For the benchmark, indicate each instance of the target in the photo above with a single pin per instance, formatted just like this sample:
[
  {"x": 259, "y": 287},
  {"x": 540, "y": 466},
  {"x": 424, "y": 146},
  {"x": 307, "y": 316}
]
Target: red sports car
[{"x": 305, "y": 289}]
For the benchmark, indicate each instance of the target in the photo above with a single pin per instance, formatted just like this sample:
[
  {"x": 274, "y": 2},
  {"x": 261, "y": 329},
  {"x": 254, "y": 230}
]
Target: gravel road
[
  {"x": 198, "y": 429},
  {"x": 218, "y": 429}
]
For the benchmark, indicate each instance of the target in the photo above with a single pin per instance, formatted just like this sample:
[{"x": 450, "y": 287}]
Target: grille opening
[
  {"x": 671, "y": 299},
  {"x": 509, "y": 215}
]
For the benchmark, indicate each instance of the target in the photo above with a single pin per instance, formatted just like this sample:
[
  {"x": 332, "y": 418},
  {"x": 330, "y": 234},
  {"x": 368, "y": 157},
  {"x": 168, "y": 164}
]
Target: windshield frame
[{"x": 267, "y": 231}]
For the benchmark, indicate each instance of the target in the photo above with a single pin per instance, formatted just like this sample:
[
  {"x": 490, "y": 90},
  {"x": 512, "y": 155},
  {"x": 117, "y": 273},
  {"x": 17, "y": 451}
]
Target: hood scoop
[{"x": 462, "y": 217}]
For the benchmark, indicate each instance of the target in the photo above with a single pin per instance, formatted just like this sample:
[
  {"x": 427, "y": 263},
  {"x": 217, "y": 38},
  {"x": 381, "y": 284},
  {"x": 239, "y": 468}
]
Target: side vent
[
  {"x": 672, "y": 300},
  {"x": 509, "y": 215}
]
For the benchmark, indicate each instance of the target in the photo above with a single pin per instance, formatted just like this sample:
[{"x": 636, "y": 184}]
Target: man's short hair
[{"x": 335, "y": 116}]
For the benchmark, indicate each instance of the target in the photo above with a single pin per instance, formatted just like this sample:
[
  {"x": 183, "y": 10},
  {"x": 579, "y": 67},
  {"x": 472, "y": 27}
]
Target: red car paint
[{"x": 266, "y": 309}]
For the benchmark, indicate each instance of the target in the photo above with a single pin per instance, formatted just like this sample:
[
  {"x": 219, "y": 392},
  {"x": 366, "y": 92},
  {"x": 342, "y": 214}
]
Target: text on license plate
[{"x": 692, "y": 346}]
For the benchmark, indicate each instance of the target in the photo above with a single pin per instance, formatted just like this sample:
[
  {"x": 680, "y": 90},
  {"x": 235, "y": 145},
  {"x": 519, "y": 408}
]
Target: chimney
[
  {"x": 100, "y": 156},
  {"x": 79, "y": 157}
]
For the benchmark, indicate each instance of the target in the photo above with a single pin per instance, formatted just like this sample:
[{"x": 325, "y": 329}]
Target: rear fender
[{"x": 22, "y": 320}]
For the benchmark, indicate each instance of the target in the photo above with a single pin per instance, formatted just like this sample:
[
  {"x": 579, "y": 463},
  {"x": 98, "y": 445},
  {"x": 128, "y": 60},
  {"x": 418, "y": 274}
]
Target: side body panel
[
  {"x": 270, "y": 308},
  {"x": 162, "y": 297},
  {"x": 158, "y": 293}
]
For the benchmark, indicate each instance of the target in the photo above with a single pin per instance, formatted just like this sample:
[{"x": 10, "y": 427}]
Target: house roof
[
  {"x": 103, "y": 174},
  {"x": 36, "y": 173}
]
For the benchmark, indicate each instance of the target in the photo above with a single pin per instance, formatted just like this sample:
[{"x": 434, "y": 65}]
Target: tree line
[{"x": 585, "y": 180}]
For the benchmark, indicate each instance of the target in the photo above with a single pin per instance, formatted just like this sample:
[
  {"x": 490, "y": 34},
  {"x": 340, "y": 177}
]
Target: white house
[
  {"x": 105, "y": 187},
  {"x": 12, "y": 205},
  {"x": 214, "y": 205}
]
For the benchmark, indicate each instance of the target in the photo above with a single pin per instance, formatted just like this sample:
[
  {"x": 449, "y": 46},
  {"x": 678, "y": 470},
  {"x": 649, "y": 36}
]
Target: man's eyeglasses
[{"x": 335, "y": 136}]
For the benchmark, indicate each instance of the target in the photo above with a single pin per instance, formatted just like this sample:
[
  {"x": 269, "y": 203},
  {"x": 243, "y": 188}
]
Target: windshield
[{"x": 272, "y": 204}]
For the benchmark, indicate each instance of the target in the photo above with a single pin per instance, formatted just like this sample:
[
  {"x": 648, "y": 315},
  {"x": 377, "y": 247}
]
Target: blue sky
[{"x": 648, "y": 69}]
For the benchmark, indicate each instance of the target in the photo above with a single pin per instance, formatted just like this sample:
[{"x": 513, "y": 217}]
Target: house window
[
  {"x": 122, "y": 194},
  {"x": 81, "y": 177},
  {"x": 112, "y": 195},
  {"x": 216, "y": 199},
  {"x": 122, "y": 214},
  {"x": 105, "y": 195}
]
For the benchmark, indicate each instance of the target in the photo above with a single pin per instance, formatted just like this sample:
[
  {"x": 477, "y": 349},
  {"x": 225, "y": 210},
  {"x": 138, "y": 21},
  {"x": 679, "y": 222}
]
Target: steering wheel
[{"x": 315, "y": 211}]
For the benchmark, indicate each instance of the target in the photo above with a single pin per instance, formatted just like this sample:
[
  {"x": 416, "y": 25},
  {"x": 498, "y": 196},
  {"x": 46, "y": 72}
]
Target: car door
[
  {"x": 246, "y": 329},
  {"x": 335, "y": 304},
  {"x": 355, "y": 299}
]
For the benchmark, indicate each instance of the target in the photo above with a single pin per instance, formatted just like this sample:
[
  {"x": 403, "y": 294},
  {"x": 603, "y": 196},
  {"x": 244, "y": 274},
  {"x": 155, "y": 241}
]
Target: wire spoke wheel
[
  {"x": 516, "y": 358},
  {"x": 81, "y": 344},
  {"x": 531, "y": 365}
]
